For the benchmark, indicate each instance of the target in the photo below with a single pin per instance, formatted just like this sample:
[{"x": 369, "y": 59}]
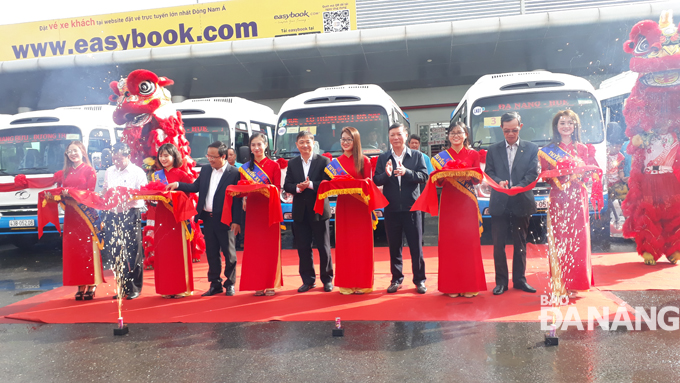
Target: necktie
[{"x": 511, "y": 159}]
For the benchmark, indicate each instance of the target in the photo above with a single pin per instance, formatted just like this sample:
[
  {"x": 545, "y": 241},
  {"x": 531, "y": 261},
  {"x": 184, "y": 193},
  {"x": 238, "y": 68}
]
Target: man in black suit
[
  {"x": 211, "y": 186},
  {"x": 400, "y": 171},
  {"x": 303, "y": 177},
  {"x": 511, "y": 163}
]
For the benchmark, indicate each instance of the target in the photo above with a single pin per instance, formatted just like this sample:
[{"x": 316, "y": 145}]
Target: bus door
[{"x": 241, "y": 139}]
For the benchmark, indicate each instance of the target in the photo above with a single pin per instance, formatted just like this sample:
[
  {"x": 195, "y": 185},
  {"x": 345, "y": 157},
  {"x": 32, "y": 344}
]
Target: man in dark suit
[
  {"x": 511, "y": 163},
  {"x": 211, "y": 186},
  {"x": 400, "y": 171},
  {"x": 303, "y": 177}
]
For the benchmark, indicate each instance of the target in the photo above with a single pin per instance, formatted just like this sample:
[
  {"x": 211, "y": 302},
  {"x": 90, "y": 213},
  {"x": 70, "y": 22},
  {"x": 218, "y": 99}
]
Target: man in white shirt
[
  {"x": 123, "y": 222},
  {"x": 303, "y": 177},
  {"x": 211, "y": 186}
]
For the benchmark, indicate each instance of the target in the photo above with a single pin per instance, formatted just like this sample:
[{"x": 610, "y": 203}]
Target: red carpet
[{"x": 616, "y": 271}]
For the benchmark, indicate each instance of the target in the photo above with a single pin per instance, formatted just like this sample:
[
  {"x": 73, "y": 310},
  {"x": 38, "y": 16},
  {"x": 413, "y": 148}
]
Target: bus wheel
[{"x": 24, "y": 241}]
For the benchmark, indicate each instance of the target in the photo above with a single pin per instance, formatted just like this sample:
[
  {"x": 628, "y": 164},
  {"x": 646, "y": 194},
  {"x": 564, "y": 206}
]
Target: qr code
[{"x": 336, "y": 21}]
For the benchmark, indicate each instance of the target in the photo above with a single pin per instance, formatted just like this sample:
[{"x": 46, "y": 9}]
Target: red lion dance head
[
  {"x": 144, "y": 106},
  {"x": 652, "y": 115},
  {"x": 654, "y": 100}
]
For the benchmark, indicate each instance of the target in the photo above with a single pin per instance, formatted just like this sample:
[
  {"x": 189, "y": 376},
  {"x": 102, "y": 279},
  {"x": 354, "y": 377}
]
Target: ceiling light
[
  {"x": 429, "y": 60},
  {"x": 309, "y": 70},
  {"x": 195, "y": 78},
  {"x": 559, "y": 50}
]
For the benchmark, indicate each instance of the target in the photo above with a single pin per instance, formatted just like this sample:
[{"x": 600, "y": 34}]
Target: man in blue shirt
[
  {"x": 231, "y": 158},
  {"x": 414, "y": 144}
]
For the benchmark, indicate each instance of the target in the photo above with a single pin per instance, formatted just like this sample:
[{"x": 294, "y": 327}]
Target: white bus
[
  {"x": 612, "y": 96},
  {"x": 325, "y": 111},
  {"x": 227, "y": 119},
  {"x": 33, "y": 144},
  {"x": 537, "y": 97}
]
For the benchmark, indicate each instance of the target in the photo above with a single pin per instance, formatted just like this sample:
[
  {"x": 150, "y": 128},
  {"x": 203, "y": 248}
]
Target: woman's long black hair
[{"x": 267, "y": 152}]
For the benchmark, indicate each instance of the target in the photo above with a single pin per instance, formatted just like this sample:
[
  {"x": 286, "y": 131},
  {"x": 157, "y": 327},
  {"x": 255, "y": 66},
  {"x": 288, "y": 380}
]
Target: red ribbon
[
  {"x": 183, "y": 207},
  {"x": 22, "y": 182}
]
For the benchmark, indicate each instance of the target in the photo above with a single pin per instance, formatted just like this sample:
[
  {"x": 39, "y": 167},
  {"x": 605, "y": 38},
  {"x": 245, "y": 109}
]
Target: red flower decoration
[
  {"x": 454, "y": 164},
  {"x": 283, "y": 163},
  {"x": 482, "y": 156},
  {"x": 155, "y": 185},
  {"x": 21, "y": 181},
  {"x": 328, "y": 155}
]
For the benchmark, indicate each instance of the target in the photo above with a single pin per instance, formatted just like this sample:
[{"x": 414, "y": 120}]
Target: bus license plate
[
  {"x": 21, "y": 223},
  {"x": 542, "y": 204}
]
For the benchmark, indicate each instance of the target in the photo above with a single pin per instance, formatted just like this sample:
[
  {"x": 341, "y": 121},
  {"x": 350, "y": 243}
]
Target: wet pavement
[{"x": 306, "y": 351}]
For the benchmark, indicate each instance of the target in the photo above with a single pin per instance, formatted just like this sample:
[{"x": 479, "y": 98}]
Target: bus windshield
[
  {"x": 537, "y": 111},
  {"x": 35, "y": 150},
  {"x": 326, "y": 124},
  {"x": 201, "y": 132}
]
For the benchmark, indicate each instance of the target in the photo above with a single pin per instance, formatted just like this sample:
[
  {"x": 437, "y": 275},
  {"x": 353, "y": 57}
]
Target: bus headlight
[
  {"x": 286, "y": 197},
  {"x": 483, "y": 190}
]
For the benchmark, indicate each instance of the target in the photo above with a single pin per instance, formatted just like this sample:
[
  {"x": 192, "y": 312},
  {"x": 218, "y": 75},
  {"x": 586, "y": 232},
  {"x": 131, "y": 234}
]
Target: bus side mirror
[{"x": 243, "y": 155}]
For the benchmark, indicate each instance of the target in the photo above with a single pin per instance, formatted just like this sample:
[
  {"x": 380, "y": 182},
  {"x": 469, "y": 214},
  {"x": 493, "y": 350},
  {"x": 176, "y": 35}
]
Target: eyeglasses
[
  {"x": 212, "y": 157},
  {"x": 346, "y": 140},
  {"x": 513, "y": 131},
  {"x": 457, "y": 134}
]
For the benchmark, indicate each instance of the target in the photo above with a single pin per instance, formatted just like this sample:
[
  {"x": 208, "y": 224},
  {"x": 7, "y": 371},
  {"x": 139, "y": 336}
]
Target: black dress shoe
[
  {"x": 230, "y": 291},
  {"x": 394, "y": 287},
  {"x": 499, "y": 289},
  {"x": 212, "y": 291},
  {"x": 420, "y": 288},
  {"x": 132, "y": 296},
  {"x": 524, "y": 287},
  {"x": 305, "y": 288},
  {"x": 328, "y": 287}
]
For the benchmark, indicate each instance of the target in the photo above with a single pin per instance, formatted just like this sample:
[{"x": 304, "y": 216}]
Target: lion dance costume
[
  {"x": 652, "y": 114},
  {"x": 144, "y": 107}
]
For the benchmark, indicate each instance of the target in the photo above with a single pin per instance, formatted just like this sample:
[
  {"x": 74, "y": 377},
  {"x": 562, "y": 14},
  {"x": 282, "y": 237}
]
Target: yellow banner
[{"x": 162, "y": 27}]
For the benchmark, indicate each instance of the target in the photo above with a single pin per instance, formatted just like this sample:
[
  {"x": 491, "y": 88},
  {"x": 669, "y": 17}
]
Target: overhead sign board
[{"x": 188, "y": 24}]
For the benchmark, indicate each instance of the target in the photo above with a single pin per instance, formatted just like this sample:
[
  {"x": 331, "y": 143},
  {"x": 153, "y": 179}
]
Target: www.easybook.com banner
[{"x": 189, "y": 24}]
